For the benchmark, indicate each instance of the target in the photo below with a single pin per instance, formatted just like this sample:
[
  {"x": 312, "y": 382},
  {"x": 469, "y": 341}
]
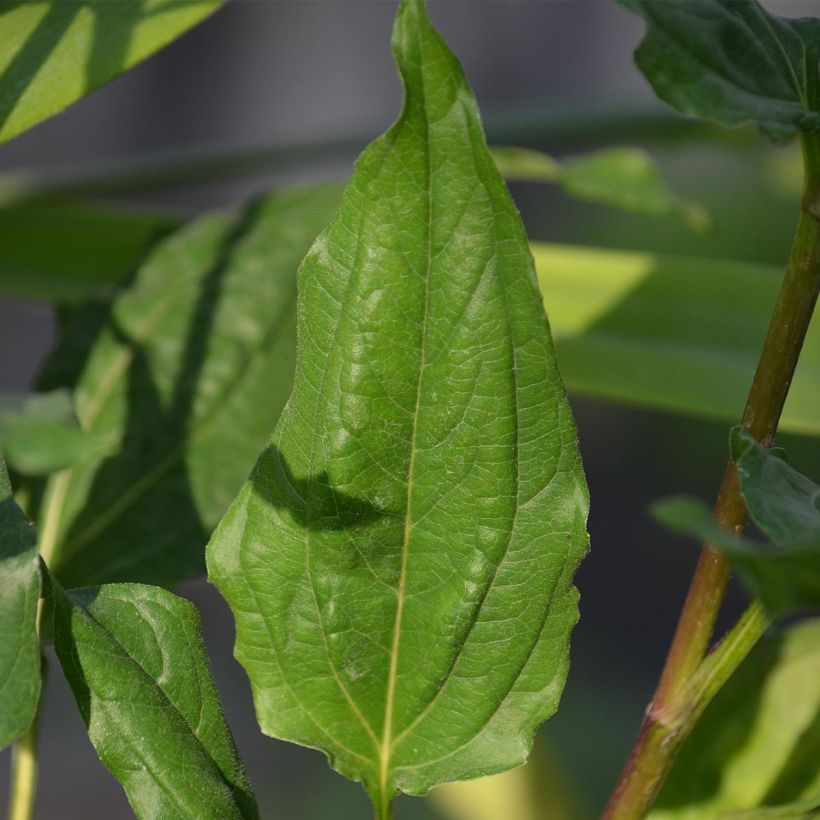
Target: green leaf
[
  {"x": 19, "y": 596},
  {"x": 783, "y": 579},
  {"x": 624, "y": 178},
  {"x": 135, "y": 661},
  {"x": 732, "y": 62},
  {"x": 400, "y": 563},
  {"x": 623, "y": 329},
  {"x": 782, "y": 502},
  {"x": 757, "y": 743},
  {"x": 181, "y": 381},
  {"x": 54, "y": 53},
  {"x": 40, "y": 434},
  {"x": 89, "y": 249}
]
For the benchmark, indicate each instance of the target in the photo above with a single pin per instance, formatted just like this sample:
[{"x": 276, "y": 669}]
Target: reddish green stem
[{"x": 677, "y": 703}]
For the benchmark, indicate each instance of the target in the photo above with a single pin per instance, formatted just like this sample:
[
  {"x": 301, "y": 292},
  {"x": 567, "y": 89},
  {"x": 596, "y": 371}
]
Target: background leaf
[
  {"x": 624, "y": 178},
  {"x": 181, "y": 376},
  {"x": 40, "y": 434},
  {"x": 54, "y": 53},
  {"x": 400, "y": 564},
  {"x": 732, "y": 62},
  {"x": 19, "y": 596},
  {"x": 137, "y": 666},
  {"x": 756, "y": 744},
  {"x": 90, "y": 249},
  {"x": 657, "y": 330}
]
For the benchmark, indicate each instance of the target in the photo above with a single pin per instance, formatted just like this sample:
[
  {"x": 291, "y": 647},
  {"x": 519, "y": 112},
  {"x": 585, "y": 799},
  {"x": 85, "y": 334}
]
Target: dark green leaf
[
  {"x": 784, "y": 504},
  {"x": 19, "y": 595},
  {"x": 187, "y": 372},
  {"x": 40, "y": 434},
  {"x": 400, "y": 564},
  {"x": 136, "y": 663},
  {"x": 624, "y": 178},
  {"x": 88, "y": 249},
  {"x": 54, "y": 53},
  {"x": 785, "y": 574},
  {"x": 757, "y": 743},
  {"x": 732, "y": 62}
]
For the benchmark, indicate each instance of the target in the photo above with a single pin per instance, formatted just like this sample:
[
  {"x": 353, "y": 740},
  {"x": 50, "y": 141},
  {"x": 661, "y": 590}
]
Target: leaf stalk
[{"x": 691, "y": 677}]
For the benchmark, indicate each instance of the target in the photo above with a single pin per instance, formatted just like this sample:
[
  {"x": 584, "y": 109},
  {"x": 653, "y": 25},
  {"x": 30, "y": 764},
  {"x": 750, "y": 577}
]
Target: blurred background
[{"x": 317, "y": 79}]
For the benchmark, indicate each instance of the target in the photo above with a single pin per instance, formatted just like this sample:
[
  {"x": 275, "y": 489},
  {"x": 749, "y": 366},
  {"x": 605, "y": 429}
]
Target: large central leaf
[{"x": 400, "y": 563}]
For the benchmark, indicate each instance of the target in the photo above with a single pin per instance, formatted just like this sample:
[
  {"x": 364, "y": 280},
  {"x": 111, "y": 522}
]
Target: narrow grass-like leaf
[
  {"x": 19, "y": 595},
  {"x": 756, "y": 744},
  {"x": 68, "y": 251},
  {"x": 40, "y": 434},
  {"x": 732, "y": 62},
  {"x": 400, "y": 563},
  {"x": 624, "y": 330},
  {"x": 188, "y": 368},
  {"x": 135, "y": 661},
  {"x": 624, "y": 178},
  {"x": 53, "y": 53}
]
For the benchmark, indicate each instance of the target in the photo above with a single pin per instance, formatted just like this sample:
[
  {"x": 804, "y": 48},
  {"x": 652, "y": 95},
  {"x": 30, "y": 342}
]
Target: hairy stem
[{"x": 678, "y": 701}]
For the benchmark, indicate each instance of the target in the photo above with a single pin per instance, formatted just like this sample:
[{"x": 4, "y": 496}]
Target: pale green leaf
[
  {"x": 624, "y": 178},
  {"x": 757, "y": 743},
  {"x": 671, "y": 332},
  {"x": 732, "y": 62},
  {"x": 400, "y": 563},
  {"x": 19, "y": 595},
  {"x": 67, "y": 251},
  {"x": 181, "y": 381},
  {"x": 135, "y": 661},
  {"x": 40, "y": 434},
  {"x": 53, "y": 53}
]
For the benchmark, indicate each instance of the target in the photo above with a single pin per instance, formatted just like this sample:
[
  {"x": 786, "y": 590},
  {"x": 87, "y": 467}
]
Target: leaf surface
[
  {"x": 19, "y": 595},
  {"x": 54, "y": 53},
  {"x": 180, "y": 377},
  {"x": 753, "y": 753},
  {"x": 135, "y": 661},
  {"x": 400, "y": 563},
  {"x": 732, "y": 62}
]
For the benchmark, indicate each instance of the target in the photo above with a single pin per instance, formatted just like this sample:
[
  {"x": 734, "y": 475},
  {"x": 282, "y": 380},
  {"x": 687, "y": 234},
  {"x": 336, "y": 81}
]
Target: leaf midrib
[{"x": 386, "y": 750}]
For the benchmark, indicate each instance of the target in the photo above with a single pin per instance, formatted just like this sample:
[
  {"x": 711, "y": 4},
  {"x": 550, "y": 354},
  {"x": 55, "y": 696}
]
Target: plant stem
[
  {"x": 678, "y": 701},
  {"x": 24, "y": 774}
]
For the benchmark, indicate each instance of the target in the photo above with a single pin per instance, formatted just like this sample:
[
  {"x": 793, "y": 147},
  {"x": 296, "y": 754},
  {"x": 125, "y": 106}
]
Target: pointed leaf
[
  {"x": 19, "y": 596},
  {"x": 136, "y": 663},
  {"x": 54, "y": 53},
  {"x": 400, "y": 563},
  {"x": 756, "y": 744},
  {"x": 181, "y": 380},
  {"x": 732, "y": 62}
]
